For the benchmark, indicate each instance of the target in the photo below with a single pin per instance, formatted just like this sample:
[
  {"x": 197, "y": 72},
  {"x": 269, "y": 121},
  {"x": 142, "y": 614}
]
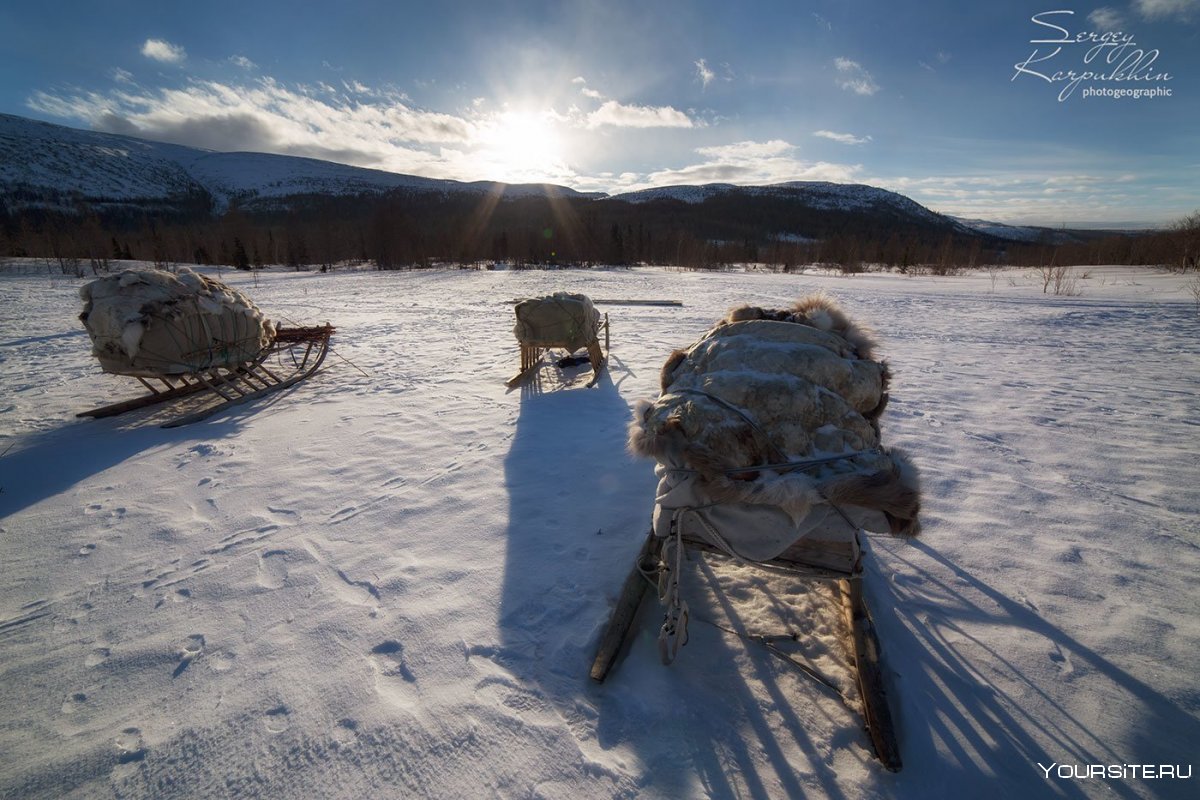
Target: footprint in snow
[
  {"x": 345, "y": 733},
  {"x": 388, "y": 657},
  {"x": 177, "y": 596},
  {"x": 275, "y": 720},
  {"x": 509, "y": 698},
  {"x": 74, "y": 702},
  {"x": 131, "y": 747},
  {"x": 1063, "y": 659},
  {"x": 189, "y": 651},
  {"x": 97, "y": 657},
  {"x": 272, "y": 569},
  {"x": 394, "y": 680},
  {"x": 220, "y": 660}
]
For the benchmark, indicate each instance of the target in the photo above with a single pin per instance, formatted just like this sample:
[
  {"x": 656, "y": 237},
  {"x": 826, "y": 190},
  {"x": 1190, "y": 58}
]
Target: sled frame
[
  {"x": 293, "y": 355},
  {"x": 805, "y": 561},
  {"x": 531, "y": 358}
]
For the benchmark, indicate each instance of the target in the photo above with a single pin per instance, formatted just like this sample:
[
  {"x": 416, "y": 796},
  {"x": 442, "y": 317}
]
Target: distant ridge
[{"x": 57, "y": 168}]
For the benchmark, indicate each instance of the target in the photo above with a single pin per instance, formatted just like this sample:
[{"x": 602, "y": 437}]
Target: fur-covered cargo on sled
[
  {"x": 767, "y": 432},
  {"x": 185, "y": 334},
  {"x": 559, "y": 320}
]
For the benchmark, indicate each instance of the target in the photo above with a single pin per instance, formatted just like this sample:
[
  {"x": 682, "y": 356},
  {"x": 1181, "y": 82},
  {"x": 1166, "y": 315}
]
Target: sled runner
[
  {"x": 766, "y": 435},
  {"x": 561, "y": 320},
  {"x": 293, "y": 355}
]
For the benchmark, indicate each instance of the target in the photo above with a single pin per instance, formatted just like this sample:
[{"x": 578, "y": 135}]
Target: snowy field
[{"x": 391, "y": 584}]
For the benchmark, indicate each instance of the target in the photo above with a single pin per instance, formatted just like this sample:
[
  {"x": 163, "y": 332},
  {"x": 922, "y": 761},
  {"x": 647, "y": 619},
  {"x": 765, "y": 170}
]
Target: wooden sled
[
  {"x": 294, "y": 354},
  {"x": 531, "y": 358},
  {"x": 816, "y": 560}
]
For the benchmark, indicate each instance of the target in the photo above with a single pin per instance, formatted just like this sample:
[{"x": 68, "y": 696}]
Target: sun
[{"x": 522, "y": 146}]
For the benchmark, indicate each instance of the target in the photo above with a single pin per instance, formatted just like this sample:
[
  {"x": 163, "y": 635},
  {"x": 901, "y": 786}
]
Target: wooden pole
[
  {"x": 876, "y": 712},
  {"x": 623, "y": 612}
]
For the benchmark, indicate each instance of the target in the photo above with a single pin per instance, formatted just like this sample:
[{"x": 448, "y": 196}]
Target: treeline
[
  {"x": 404, "y": 230},
  {"x": 1175, "y": 248}
]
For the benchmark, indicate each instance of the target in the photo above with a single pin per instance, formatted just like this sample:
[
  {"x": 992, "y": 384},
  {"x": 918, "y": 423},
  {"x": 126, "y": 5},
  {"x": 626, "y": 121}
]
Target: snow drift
[
  {"x": 774, "y": 416},
  {"x": 557, "y": 320},
  {"x": 152, "y": 323}
]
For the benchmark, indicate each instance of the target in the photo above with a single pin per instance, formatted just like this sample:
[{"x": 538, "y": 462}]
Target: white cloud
[
  {"x": 585, "y": 90},
  {"x": 243, "y": 62},
  {"x": 853, "y": 77},
  {"x": 1160, "y": 9},
  {"x": 1106, "y": 19},
  {"x": 1021, "y": 197},
  {"x": 941, "y": 57},
  {"x": 745, "y": 163},
  {"x": 266, "y": 116},
  {"x": 843, "y": 138},
  {"x": 122, "y": 75},
  {"x": 704, "y": 74},
  {"x": 620, "y": 115},
  {"x": 164, "y": 51},
  {"x": 746, "y": 151}
]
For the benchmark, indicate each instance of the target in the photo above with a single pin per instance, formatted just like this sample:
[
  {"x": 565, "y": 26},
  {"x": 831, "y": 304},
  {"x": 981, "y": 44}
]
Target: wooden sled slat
[
  {"x": 274, "y": 383},
  {"x": 809, "y": 558},
  {"x": 531, "y": 358}
]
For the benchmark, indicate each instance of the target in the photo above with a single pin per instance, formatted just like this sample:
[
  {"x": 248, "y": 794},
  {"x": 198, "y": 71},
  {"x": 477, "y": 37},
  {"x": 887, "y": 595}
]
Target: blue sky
[{"x": 612, "y": 95}]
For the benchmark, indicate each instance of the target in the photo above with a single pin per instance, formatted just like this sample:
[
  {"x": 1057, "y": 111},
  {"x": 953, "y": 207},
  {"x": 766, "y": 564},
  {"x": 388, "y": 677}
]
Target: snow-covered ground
[{"x": 392, "y": 584}]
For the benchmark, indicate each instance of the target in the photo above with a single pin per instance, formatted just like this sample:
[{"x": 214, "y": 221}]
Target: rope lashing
[
  {"x": 741, "y": 413},
  {"x": 575, "y": 326},
  {"x": 784, "y": 466}
]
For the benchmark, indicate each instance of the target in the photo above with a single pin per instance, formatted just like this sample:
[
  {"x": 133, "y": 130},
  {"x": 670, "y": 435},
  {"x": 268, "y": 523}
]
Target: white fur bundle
[
  {"x": 557, "y": 320},
  {"x": 768, "y": 387},
  {"x": 152, "y": 323}
]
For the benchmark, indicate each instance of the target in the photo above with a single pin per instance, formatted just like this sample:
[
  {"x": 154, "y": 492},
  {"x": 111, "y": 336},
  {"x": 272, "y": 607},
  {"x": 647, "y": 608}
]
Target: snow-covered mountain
[
  {"x": 51, "y": 166},
  {"x": 815, "y": 195},
  {"x": 54, "y": 166},
  {"x": 1016, "y": 233}
]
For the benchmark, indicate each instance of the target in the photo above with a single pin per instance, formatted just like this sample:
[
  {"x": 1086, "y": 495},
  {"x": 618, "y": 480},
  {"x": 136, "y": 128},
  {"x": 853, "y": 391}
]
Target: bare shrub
[
  {"x": 1066, "y": 282},
  {"x": 1060, "y": 280}
]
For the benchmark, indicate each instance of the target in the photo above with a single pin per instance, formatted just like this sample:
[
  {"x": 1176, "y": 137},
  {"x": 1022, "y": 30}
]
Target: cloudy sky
[{"x": 926, "y": 99}]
